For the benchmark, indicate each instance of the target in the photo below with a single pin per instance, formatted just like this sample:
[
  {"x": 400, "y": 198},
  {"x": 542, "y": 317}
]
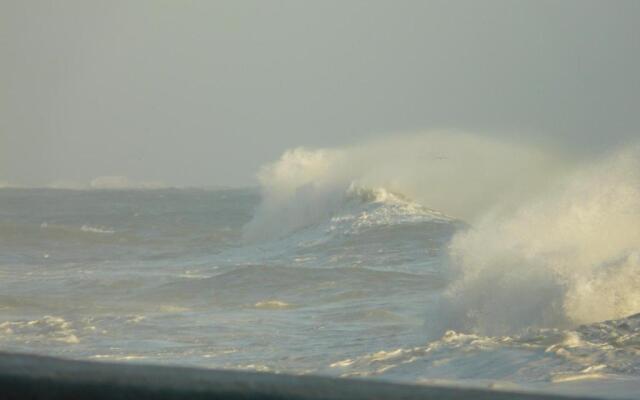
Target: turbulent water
[{"x": 342, "y": 274}]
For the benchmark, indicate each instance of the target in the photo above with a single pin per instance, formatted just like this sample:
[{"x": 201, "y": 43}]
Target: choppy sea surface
[{"x": 365, "y": 288}]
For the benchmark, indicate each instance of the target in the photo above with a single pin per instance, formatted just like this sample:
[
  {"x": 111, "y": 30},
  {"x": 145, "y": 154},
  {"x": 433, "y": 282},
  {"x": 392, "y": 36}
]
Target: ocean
[{"x": 361, "y": 282}]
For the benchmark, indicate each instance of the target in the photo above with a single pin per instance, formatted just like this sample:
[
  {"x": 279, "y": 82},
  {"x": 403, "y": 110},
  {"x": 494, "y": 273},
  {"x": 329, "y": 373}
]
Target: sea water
[{"x": 333, "y": 277}]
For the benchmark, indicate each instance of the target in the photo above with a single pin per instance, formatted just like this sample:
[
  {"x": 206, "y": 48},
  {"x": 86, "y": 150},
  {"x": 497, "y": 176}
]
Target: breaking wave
[
  {"x": 351, "y": 212},
  {"x": 457, "y": 174},
  {"x": 552, "y": 241}
]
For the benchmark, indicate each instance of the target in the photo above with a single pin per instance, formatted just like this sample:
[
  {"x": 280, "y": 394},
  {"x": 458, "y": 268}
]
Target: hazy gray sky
[{"x": 204, "y": 92}]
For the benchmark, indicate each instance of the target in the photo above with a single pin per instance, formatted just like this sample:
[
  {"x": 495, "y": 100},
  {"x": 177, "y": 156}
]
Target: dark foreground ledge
[{"x": 36, "y": 377}]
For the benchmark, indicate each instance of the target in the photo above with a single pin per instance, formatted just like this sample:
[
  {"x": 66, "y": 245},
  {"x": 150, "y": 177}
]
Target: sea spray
[
  {"x": 569, "y": 256},
  {"x": 457, "y": 174}
]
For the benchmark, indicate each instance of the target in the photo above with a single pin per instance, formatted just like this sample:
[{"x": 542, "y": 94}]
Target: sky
[{"x": 202, "y": 93}]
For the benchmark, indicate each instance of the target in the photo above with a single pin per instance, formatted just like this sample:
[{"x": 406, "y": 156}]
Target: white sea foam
[
  {"x": 92, "y": 229},
  {"x": 47, "y": 328},
  {"x": 591, "y": 352},
  {"x": 272, "y": 305}
]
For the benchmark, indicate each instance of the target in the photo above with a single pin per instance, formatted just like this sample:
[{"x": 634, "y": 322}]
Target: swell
[{"x": 245, "y": 286}]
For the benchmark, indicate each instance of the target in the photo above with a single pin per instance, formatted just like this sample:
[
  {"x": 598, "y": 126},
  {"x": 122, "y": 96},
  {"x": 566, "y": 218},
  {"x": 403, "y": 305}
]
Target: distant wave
[
  {"x": 10, "y": 185},
  {"x": 53, "y": 231},
  {"x": 122, "y": 182},
  {"x": 98, "y": 183}
]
